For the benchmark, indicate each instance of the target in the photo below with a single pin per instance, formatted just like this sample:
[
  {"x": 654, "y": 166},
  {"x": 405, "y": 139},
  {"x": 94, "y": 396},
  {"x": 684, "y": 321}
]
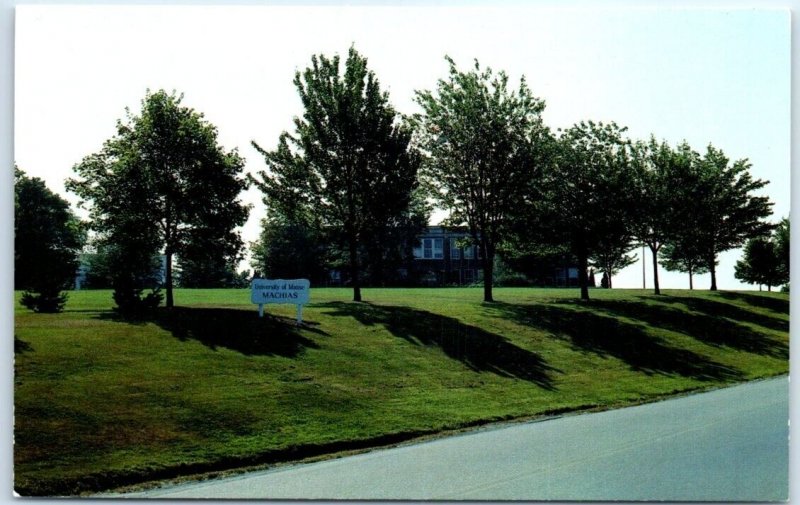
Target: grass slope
[{"x": 102, "y": 402}]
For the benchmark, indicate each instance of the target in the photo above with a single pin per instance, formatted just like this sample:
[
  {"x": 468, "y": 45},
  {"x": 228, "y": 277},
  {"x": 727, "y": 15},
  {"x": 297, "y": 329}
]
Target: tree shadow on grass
[
  {"x": 20, "y": 346},
  {"x": 607, "y": 336},
  {"x": 726, "y": 310},
  {"x": 238, "y": 330},
  {"x": 476, "y": 348},
  {"x": 765, "y": 302},
  {"x": 711, "y": 322}
]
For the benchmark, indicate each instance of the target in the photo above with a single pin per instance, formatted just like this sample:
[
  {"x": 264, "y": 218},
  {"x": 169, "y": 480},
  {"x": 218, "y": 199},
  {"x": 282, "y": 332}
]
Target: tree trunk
[
  {"x": 769, "y": 288},
  {"x": 354, "y": 271},
  {"x": 583, "y": 277},
  {"x": 654, "y": 251},
  {"x": 168, "y": 274},
  {"x": 488, "y": 273},
  {"x": 691, "y": 285},
  {"x": 713, "y": 271},
  {"x": 609, "y": 282}
]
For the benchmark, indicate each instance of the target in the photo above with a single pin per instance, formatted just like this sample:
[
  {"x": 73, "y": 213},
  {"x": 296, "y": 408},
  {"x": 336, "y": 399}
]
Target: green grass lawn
[{"x": 102, "y": 402}]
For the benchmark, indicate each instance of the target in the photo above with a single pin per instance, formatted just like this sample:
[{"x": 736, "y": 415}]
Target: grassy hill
[{"x": 102, "y": 402}]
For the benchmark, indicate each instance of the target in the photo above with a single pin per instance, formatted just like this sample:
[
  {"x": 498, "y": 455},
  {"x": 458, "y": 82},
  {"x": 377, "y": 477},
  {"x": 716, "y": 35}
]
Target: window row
[{"x": 433, "y": 249}]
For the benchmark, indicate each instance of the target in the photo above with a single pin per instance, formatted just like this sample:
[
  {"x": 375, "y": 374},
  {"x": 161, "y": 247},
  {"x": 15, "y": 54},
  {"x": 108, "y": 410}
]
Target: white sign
[{"x": 295, "y": 291}]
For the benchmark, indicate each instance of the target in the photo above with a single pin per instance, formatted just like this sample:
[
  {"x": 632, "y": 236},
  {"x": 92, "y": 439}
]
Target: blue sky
[{"x": 703, "y": 75}]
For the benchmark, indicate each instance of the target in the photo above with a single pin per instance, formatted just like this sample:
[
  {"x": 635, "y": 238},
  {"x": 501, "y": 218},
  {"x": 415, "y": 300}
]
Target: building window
[
  {"x": 430, "y": 248},
  {"x": 469, "y": 252},
  {"x": 469, "y": 276},
  {"x": 454, "y": 252},
  {"x": 438, "y": 248}
]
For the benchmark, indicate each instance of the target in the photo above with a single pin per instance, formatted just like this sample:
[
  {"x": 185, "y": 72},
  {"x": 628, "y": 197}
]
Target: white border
[{"x": 6, "y": 176}]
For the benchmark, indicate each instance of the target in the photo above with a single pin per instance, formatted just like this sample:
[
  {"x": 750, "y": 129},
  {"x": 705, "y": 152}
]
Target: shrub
[{"x": 46, "y": 300}]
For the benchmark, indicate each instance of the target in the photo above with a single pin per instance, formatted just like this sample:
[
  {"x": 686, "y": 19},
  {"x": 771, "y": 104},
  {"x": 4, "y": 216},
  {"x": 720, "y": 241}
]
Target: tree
[
  {"x": 760, "y": 264},
  {"x": 536, "y": 260},
  {"x": 391, "y": 246},
  {"x": 207, "y": 272},
  {"x": 588, "y": 198},
  {"x": 47, "y": 241},
  {"x": 724, "y": 206},
  {"x": 106, "y": 264},
  {"x": 611, "y": 254},
  {"x": 782, "y": 243},
  {"x": 163, "y": 183},
  {"x": 765, "y": 259},
  {"x": 683, "y": 255},
  {"x": 657, "y": 195},
  {"x": 348, "y": 169},
  {"x": 290, "y": 250},
  {"x": 484, "y": 146}
]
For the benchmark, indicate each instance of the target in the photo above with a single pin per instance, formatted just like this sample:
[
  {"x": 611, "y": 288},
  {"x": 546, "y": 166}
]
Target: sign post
[{"x": 295, "y": 291}]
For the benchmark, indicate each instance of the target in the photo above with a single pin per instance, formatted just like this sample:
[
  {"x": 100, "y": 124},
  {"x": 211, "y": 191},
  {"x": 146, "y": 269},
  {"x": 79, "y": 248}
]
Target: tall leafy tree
[
  {"x": 657, "y": 196},
  {"x": 725, "y": 206},
  {"x": 290, "y": 249},
  {"x": 761, "y": 264},
  {"x": 208, "y": 272},
  {"x": 484, "y": 145},
  {"x": 611, "y": 254},
  {"x": 348, "y": 167},
  {"x": 163, "y": 182},
  {"x": 47, "y": 240},
  {"x": 391, "y": 247},
  {"x": 782, "y": 243},
  {"x": 588, "y": 192},
  {"x": 683, "y": 254},
  {"x": 106, "y": 264}
]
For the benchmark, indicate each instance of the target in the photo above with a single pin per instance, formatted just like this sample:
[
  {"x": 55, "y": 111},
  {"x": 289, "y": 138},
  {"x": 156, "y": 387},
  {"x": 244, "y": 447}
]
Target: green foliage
[
  {"x": 485, "y": 147},
  {"x": 763, "y": 262},
  {"x": 725, "y": 210},
  {"x": 46, "y": 299},
  {"x": 506, "y": 276},
  {"x": 391, "y": 247},
  {"x": 684, "y": 255},
  {"x": 589, "y": 202},
  {"x": 47, "y": 240},
  {"x": 348, "y": 170},
  {"x": 163, "y": 184},
  {"x": 658, "y": 199},
  {"x": 782, "y": 246},
  {"x": 611, "y": 254},
  {"x": 536, "y": 261},
  {"x": 210, "y": 272},
  {"x": 287, "y": 250}
]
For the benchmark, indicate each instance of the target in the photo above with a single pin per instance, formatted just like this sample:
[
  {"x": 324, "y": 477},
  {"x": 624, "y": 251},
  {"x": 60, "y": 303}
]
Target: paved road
[{"x": 730, "y": 444}]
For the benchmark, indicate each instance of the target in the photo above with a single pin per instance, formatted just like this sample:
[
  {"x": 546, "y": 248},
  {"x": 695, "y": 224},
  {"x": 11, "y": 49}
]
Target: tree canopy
[
  {"x": 782, "y": 243},
  {"x": 484, "y": 146},
  {"x": 288, "y": 250},
  {"x": 47, "y": 240},
  {"x": 765, "y": 259},
  {"x": 348, "y": 170},
  {"x": 656, "y": 197},
  {"x": 760, "y": 264},
  {"x": 163, "y": 183},
  {"x": 588, "y": 193},
  {"x": 725, "y": 208},
  {"x": 683, "y": 254}
]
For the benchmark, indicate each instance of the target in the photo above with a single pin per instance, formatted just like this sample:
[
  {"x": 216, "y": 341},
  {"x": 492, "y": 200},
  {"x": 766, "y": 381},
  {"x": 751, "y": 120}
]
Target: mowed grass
[{"x": 102, "y": 402}]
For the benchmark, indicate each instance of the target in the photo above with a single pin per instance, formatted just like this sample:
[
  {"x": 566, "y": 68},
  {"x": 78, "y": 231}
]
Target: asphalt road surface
[{"x": 726, "y": 445}]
